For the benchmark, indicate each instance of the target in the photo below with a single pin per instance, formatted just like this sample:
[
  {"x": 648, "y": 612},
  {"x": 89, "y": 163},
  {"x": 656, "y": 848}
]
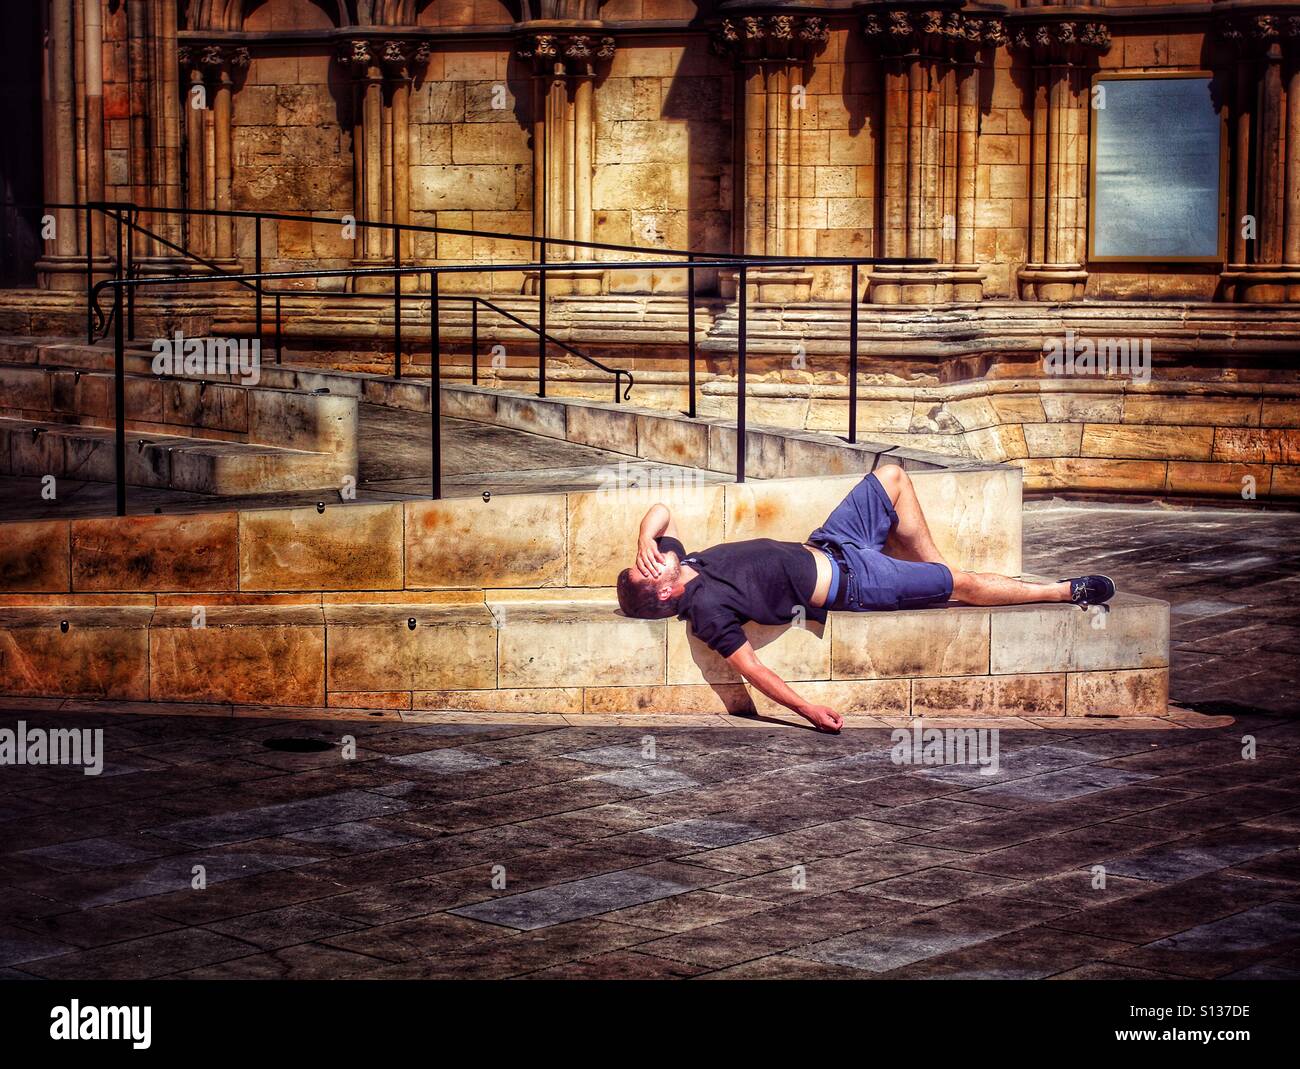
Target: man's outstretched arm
[{"x": 746, "y": 662}]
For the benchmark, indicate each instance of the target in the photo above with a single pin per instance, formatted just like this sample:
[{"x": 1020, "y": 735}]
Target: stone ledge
[
  {"x": 577, "y": 539},
  {"x": 583, "y": 656}
]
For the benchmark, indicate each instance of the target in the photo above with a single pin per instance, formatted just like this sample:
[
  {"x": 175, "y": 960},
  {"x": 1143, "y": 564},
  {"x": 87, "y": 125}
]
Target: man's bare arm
[
  {"x": 656, "y": 523},
  {"x": 746, "y": 662}
]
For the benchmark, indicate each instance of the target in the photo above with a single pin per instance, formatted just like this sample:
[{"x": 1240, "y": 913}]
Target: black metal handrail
[
  {"x": 741, "y": 264},
  {"x": 695, "y": 260},
  {"x": 620, "y": 394}
]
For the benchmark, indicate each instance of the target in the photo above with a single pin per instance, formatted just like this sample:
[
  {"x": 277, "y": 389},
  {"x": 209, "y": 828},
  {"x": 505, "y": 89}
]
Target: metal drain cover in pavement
[{"x": 297, "y": 745}]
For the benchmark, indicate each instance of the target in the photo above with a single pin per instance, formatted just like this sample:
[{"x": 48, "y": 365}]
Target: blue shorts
[{"x": 853, "y": 536}]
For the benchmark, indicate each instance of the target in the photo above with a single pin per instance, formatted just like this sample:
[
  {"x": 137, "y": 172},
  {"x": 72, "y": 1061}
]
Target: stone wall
[
  {"x": 954, "y": 132},
  {"x": 534, "y": 541}
]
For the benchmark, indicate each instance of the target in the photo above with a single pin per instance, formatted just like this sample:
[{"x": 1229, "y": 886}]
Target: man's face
[{"x": 668, "y": 578}]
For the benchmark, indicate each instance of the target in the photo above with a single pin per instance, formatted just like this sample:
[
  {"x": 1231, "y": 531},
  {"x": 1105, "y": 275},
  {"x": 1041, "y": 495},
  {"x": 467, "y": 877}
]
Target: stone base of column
[
  {"x": 1052, "y": 282},
  {"x": 181, "y": 265},
  {"x": 366, "y": 283},
  {"x": 69, "y": 272},
  {"x": 770, "y": 285},
  {"x": 1261, "y": 283},
  {"x": 925, "y": 284},
  {"x": 562, "y": 283}
]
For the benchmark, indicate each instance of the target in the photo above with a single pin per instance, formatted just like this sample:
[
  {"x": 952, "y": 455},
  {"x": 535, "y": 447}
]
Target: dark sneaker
[{"x": 1090, "y": 590}]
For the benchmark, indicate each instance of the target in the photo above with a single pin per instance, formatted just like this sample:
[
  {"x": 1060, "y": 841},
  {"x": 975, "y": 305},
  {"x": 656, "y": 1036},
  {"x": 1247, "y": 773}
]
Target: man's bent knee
[{"x": 891, "y": 477}]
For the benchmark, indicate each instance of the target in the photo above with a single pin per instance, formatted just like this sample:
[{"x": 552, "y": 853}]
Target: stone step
[
  {"x": 279, "y": 414},
  {"x": 574, "y": 652},
  {"x": 664, "y": 436},
  {"x": 194, "y": 465}
]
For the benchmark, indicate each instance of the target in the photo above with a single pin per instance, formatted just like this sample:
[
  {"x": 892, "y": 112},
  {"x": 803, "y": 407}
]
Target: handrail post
[
  {"x": 435, "y": 386},
  {"x": 541, "y": 323},
  {"x": 853, "y": 356},
  {"x": 397, "y": 303},
  {"x": 257, "y": 262},
  {"x": 690, "y": 330},
  {"x": 119, "y": 402},
  {"x": 473, "y": 341},
  {"x": 740, "y": 375},
  {"x": 130, "y": 269},
  {"x": 90, "y": 279},
  {"x": 279, "y": 337},
  {"x": 117, "y": 260}
]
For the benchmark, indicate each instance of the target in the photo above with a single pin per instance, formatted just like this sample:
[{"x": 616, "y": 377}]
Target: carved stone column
[
  {"x": 382, "y": 72},
  {"x": 1265, "y": 159},
  {"x": 772, "y": 53},
  {"x": 154, "y": 130},
  {"x": 93, "y": 39},
  {"x": 215, "y": 69},
  {"x": 1061, "y": 55},
  {"x": 931, "y": 68},
  {"x": 59, "y": 266},
  {"x": 566, "y": 59}
]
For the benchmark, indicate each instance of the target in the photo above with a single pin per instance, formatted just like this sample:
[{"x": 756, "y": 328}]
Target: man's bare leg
[
  {"x": 911, "y": 539},
  {"x": 988, "y": 588}
]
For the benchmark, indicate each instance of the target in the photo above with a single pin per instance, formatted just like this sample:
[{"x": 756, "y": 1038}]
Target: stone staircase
[
  {"x": 212, "y": 436},
  {"x": 505, "y": 606}
]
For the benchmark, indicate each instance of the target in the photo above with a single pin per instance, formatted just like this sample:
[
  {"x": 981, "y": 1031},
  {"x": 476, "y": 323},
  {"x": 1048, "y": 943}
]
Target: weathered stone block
[
  {"x": 352, "y": 547},
  {"x": 574, "y": 646},
  {"x": 103, "y": 654},
  {"x": 196, "y": 552},
  {"x": 533, "y": 414},
  {"x": 1143, "y": 692},
  {"x": 603, "y": 428},
  {"x": 34, "y": 556},
  {"x": 1059, "y": 638},
  {"x": 316, "y": 424},
  {"x": 1189, "y": 412},
  {"x": 924, "y": 642},
  {"x": 765, "y": 452},
  {"x": 672, "y": 441},
  {"x": 533, "y": 700},
  {"x": 1227, "y": 479},
  {"x": 1149, "y": 440},
  {"x": 507, "y": 541},
  {"x": 374, "y": 648},
  {"x": 248, "y": 656},
  {"x": 1022, "y": 695}
]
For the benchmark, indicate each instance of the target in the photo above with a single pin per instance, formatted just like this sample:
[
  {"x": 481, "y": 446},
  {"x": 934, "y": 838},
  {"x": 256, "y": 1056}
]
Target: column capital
[
  {"x": 402, "y": 58},
  {"x": 1060, "y": 42},
  {"x": 359, "y": 55},
  {"x": 938, "y": 32},
  {"x": 770, "y": 37},
  {"x": 212, "y": 59},
  {"x": 1256, "y": 35},
  {"x": 579, "y": 53}
]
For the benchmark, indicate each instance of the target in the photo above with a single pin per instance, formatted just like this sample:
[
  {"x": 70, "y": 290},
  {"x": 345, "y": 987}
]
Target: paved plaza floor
[{"x": 740, "y": 850}]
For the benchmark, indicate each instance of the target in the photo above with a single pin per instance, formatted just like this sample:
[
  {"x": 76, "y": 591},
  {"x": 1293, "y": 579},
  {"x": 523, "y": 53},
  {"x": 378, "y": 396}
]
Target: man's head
[{"x": 651, "y": 597}]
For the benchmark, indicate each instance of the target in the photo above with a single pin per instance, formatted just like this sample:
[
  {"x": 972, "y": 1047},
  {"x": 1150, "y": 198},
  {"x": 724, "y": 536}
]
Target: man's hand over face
[{"x": 649, "y": 561}]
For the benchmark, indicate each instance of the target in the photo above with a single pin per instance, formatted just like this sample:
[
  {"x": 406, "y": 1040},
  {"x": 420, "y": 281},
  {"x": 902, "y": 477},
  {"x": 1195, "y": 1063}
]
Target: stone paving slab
[{"x": 788, "y": 854}]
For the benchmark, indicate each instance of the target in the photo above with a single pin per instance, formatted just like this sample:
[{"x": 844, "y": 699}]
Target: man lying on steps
[{"x": 874, "y": 552}]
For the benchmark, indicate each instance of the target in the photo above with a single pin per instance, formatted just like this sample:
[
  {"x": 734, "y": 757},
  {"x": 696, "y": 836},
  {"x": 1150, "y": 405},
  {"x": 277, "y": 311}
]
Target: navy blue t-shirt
[{"x": 761, "y": 579}]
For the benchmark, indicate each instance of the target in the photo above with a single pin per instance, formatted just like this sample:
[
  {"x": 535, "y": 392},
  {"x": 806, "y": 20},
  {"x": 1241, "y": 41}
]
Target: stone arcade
[{"x": 976, "y": 136}]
